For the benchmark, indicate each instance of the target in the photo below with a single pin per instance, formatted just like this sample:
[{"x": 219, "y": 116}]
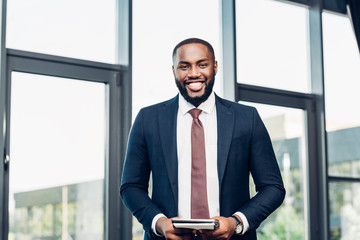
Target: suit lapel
[
  {"x": 167, "y": 125},
  {"x": 225, "y": 127}
]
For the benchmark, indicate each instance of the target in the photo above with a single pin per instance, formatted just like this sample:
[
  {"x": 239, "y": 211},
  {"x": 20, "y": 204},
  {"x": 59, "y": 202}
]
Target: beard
[{"x": 196, "y": 101}]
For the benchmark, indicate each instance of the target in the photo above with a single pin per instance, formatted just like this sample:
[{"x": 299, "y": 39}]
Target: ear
[
  {"x": 215, "y": 67},
  {"x": 173, "y": 70}
]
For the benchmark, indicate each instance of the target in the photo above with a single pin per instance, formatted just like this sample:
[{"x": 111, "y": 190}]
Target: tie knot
[{"x": 195, "y": 112}]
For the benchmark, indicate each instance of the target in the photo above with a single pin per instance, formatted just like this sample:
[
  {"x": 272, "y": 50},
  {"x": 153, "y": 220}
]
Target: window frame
[
  {"x": 117, "y": 77},
  {"x": 312, "y": 103},
  {"x": 119, "y": 220}
]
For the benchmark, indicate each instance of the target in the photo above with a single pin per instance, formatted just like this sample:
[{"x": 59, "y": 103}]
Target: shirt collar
[{"x": 207, "y": 106}]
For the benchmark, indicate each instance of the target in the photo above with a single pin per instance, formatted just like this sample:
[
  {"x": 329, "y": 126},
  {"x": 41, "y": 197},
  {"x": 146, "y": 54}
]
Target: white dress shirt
[
  {"x": 209, "y": 122},
  {"x": 184, "y": 121}
]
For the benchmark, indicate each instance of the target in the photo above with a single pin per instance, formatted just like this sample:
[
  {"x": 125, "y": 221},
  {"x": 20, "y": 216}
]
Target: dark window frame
[
  {"x": 113, "y": 76},
  {"x": 118, "y": 93}
]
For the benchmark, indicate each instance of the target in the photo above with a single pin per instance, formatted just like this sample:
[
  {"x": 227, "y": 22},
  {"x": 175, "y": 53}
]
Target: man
[{"x": 229, "y": 139}]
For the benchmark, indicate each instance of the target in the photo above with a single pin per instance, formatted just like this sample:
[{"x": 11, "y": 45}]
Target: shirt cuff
[
  {"x": 244, "y": 221},
  {"x": 153, "y": 224}
]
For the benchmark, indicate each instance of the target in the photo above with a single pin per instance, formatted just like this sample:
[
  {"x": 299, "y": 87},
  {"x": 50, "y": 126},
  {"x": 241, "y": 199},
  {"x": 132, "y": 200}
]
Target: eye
[
  {"x": 203, "y": 65},
  {"x": 183, "y": 67}
]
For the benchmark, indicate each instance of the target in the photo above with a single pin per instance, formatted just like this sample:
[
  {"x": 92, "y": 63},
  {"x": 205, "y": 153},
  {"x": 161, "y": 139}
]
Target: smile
[{"x": 195, "y": 86}]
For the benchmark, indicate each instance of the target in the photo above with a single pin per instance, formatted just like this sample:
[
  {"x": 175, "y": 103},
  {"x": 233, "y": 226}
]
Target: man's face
[{"x": 194, "y": 70}]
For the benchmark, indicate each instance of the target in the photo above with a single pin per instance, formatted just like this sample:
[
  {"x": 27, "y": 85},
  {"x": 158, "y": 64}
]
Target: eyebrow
[{"x": 201, "y": 60}]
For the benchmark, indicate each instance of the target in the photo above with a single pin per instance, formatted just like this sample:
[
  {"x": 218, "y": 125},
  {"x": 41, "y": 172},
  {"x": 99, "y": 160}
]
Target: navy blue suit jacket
[{"x": 244, "y": 147}]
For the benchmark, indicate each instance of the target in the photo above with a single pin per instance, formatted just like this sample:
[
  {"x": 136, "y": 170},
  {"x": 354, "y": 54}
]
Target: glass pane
[
  {"x": 286, "y": 128},
  {"x": 57, "y": 158},
  {"x": 78, "y": 29},
  {"x": 342, "y": 74},
  {"x": 272, "y": 45},
  {"x": 344, "y": 201},
  {"x": 163, "y": 24}
]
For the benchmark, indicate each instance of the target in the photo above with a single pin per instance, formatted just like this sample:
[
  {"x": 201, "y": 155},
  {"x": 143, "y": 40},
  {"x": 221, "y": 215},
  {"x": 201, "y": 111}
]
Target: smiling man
[{"x": 200, "y": 150}]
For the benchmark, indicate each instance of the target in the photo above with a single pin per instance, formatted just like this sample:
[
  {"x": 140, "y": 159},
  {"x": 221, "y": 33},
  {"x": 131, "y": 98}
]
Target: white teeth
[{"x": 195, "y": 84}]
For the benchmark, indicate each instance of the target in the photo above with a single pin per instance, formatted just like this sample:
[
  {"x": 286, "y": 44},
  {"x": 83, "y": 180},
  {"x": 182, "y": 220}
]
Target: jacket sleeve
[
  {"x": 135, "y": 176},
  {"x": 266, "y": 175}
]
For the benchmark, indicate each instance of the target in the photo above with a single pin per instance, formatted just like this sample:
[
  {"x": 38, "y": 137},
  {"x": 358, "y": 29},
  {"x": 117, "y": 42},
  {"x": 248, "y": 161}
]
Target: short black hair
[{"x": 194, "y": 40}]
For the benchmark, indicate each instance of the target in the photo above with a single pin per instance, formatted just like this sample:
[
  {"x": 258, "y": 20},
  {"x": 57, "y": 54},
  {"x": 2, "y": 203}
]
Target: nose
[{"x": 194, "y": 73}]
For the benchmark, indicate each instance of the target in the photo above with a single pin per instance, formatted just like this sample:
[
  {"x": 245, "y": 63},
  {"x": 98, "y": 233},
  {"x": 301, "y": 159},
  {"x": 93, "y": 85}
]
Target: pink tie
[{"x": 199, "y": 201}]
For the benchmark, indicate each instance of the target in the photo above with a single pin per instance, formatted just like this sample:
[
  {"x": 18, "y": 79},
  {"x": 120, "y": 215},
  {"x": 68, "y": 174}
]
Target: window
[
  {"x": 286, "y": 128},
  {"x": 272, "y": 45},
  {"x": 63, "y": 126},
  {"x": 77, "y": 29},
  {"x": 58, "y": 158},
  {"x": 342, "y": 74}
]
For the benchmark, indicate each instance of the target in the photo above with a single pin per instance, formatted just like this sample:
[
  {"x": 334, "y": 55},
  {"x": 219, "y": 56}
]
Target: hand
[
  {"x": 225, "y": 231},
  {"x": 165, "y": 227}
]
